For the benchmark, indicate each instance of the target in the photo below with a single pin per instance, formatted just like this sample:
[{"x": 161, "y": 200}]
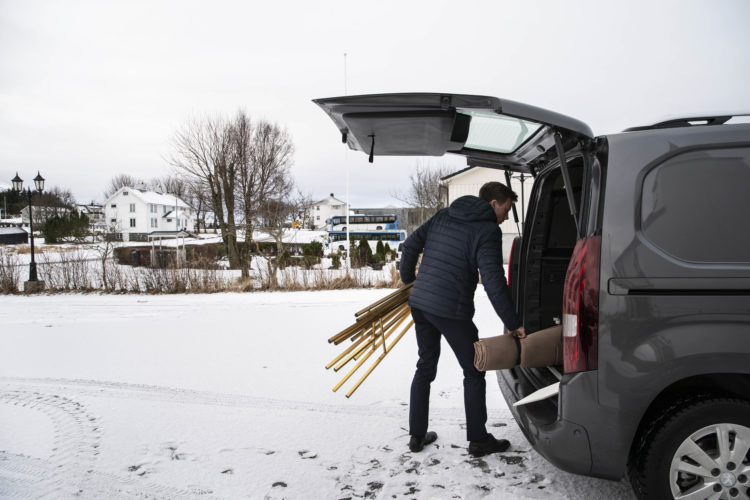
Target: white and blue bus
[
  {"x": 373, "y": 228},
  {"x": 360, "y": 222}
]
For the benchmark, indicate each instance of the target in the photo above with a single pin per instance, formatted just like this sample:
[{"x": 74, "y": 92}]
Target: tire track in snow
[
  {"x": 74, "y": 447},
  {"x": 70, "y": 470}
]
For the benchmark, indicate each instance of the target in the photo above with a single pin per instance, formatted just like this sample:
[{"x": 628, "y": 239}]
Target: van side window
[{"x": 695, "y": 206}]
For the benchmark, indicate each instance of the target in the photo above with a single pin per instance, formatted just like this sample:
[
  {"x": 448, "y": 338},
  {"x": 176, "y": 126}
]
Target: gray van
[{"x": 638, "y": 243}]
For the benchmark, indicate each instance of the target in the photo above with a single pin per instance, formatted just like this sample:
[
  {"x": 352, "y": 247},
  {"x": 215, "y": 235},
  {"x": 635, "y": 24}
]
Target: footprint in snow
[{"x": 305, "y": 454}]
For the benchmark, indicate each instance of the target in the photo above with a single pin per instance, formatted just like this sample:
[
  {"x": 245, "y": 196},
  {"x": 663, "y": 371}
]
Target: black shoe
[
  {"x": 417, "y": 443},
  {"x": 488, "y": 446}
]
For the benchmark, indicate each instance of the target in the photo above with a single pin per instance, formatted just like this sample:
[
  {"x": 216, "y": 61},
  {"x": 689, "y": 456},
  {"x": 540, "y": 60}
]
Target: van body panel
[
  {"x": 661, "y": 319},
  {"x": 563, "y": 442}
]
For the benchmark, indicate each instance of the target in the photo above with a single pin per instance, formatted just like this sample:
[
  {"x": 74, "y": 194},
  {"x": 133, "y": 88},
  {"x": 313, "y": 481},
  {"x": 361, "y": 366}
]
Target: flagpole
[{"x": 346, "y": 160}]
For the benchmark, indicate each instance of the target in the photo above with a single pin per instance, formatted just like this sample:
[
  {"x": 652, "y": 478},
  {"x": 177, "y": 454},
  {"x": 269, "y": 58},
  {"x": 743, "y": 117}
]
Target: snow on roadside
[{"x": 225, "y": 396}]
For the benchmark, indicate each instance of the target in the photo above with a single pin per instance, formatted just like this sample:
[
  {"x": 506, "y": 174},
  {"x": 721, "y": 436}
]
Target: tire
[{"x": 679, "y": 455}]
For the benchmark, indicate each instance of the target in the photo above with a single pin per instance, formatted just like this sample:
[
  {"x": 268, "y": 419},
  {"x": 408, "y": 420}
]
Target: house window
[
  {"x": 132, "y": 222},
  {"x": 132, "y": 207},
  {"x": 113, "y": 221},
  {"x": 154, "y": 222},
  {"x": 169, "y": 220},
  {"x": 152, "y": 208},
  {"x": 317, "y": 207},
  {"x": 113, "y": 205},
  {"x": 124, "y": 193},
  {"x": 318, "y": 217},
  {"x": 164, "y": 209}
]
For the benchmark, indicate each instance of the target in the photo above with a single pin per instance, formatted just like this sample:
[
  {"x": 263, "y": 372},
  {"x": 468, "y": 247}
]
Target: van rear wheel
[{"x": 698, "y": 451}]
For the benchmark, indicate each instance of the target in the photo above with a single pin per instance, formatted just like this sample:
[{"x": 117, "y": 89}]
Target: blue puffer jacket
[{"x": 456, "y": 242}]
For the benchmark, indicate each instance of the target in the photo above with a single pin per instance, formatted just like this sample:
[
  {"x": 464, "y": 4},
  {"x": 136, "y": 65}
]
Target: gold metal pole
[
  {"x": 356, "y": 355},
  {"x": 360, "y": 363},
  {"x": 378, "y": 360},
  {"x": 358, "y": 338},
  {"x": 384, "y": 299}
]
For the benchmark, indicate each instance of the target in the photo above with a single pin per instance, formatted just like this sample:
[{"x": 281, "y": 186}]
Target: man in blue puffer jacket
[{"x": 458, "y": 243}]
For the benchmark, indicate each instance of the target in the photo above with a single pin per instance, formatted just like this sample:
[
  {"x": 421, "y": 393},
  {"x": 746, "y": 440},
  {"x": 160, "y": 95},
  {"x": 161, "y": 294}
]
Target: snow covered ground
[{"x": 226, "y": 396}]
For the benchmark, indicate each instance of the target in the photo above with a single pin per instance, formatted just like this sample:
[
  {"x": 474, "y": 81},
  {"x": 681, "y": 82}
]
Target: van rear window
[{"x": 695, "y": 206}]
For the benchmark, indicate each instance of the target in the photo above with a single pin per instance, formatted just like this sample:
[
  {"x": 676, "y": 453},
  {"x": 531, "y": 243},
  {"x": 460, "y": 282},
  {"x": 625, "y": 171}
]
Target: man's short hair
[{"x": 497, "y": 191}]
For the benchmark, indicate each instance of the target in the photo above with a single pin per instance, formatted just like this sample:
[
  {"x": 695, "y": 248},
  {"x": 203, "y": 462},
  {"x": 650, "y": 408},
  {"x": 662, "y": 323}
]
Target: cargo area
[{"x": 543, "y": 261}]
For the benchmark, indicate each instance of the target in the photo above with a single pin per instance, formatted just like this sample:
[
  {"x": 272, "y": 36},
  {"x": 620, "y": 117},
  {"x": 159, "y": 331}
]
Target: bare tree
[
  {"x": 55, "y": 201},
  {"x": 424, "y": 191},
  {"x": 234, "y": 167},
  {"x": 198, "y": 197},
  {"x": 172, "y": 184},
  {"x": 265, "y": 153},
  {"x": 119, "y": 181},
  {"x": 205, "y": 153}
]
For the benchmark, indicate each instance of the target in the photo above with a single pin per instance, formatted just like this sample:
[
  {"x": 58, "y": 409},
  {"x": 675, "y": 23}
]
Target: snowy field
[{"x": 226, "y": 396}]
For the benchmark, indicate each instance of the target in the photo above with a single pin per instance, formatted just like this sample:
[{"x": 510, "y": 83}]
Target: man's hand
[{"x": 520, "y": 332}]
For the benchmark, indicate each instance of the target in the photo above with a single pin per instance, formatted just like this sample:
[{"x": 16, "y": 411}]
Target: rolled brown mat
[
  {"x": 542, "y": 348},
  {"x": 495, "y": 353}
]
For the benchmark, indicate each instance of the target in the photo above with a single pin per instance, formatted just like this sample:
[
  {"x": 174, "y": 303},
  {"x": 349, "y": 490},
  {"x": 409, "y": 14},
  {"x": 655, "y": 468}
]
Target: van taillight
[{"x": 581, "y": 307}]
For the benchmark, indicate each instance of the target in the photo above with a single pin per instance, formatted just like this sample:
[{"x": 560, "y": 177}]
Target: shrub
[
  {"x": 335, "y": 261},
  {"x": 59, "y": 227},
  {"x": 314, "y": 249},
  {"x": 362, "y": 256},
  {"x": 10, "y": 272}
]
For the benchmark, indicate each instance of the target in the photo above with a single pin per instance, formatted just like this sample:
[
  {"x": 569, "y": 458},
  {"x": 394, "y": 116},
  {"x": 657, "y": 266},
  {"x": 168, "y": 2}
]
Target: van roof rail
[{"x": 688, "y": 122}]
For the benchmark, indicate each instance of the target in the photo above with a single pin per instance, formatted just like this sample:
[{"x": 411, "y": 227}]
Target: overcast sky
[{"x": 89, "y": 90}]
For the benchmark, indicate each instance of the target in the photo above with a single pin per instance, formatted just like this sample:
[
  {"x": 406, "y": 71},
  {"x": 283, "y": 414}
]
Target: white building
[
  {"x": 41, "y": 214},
  {"x": 471, "y": 179},
  {"x": 95, "y": 213},
  {"x": 133, "y": 213},
  {"x": 319, "y": 213}
]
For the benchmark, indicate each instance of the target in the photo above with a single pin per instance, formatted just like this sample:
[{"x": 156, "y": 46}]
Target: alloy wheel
[{"x": 712, "y": 463}]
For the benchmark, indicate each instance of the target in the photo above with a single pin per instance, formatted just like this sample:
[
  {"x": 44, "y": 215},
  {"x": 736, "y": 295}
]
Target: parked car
[{"x": 638, "y": 243}]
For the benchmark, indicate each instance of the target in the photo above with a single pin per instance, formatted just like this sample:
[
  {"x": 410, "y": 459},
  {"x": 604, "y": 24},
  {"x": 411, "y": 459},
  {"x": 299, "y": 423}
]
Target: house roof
[
  {"x": 331, "y": 199},
  {"x": 455, "y": 174},
  {"x": 153, "y": 197},
  {"x": 12, "y": 230},
  {"x": 298, "y": 236},
  {"x": 171, "y": 234},
  {"x": 90, "y": 208}
]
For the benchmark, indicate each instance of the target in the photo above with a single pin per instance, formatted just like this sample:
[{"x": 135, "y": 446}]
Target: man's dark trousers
[{"x": 461, "y": 335}]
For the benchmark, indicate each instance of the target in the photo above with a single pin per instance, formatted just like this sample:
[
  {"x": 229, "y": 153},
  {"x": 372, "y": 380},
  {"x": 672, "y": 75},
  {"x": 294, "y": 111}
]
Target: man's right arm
[{"x": 413, "y": 246}]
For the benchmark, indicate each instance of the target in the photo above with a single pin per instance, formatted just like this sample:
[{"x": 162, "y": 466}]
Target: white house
[
  {"x": 95, "y": 213},
  {"x": 133, "y": 213},
  {"x": 471, "y": 179},
  {"x": 319, "y": 213}
]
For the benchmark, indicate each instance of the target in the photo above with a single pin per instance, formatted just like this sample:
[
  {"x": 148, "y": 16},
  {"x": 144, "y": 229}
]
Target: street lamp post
[{"x": 33, "y": 284}]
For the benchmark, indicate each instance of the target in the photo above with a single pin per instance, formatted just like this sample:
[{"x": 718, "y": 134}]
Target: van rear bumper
[{"x": 565, "y": 444}]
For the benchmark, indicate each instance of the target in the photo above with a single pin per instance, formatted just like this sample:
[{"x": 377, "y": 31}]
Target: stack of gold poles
[{"x": 373, "y": 327}]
